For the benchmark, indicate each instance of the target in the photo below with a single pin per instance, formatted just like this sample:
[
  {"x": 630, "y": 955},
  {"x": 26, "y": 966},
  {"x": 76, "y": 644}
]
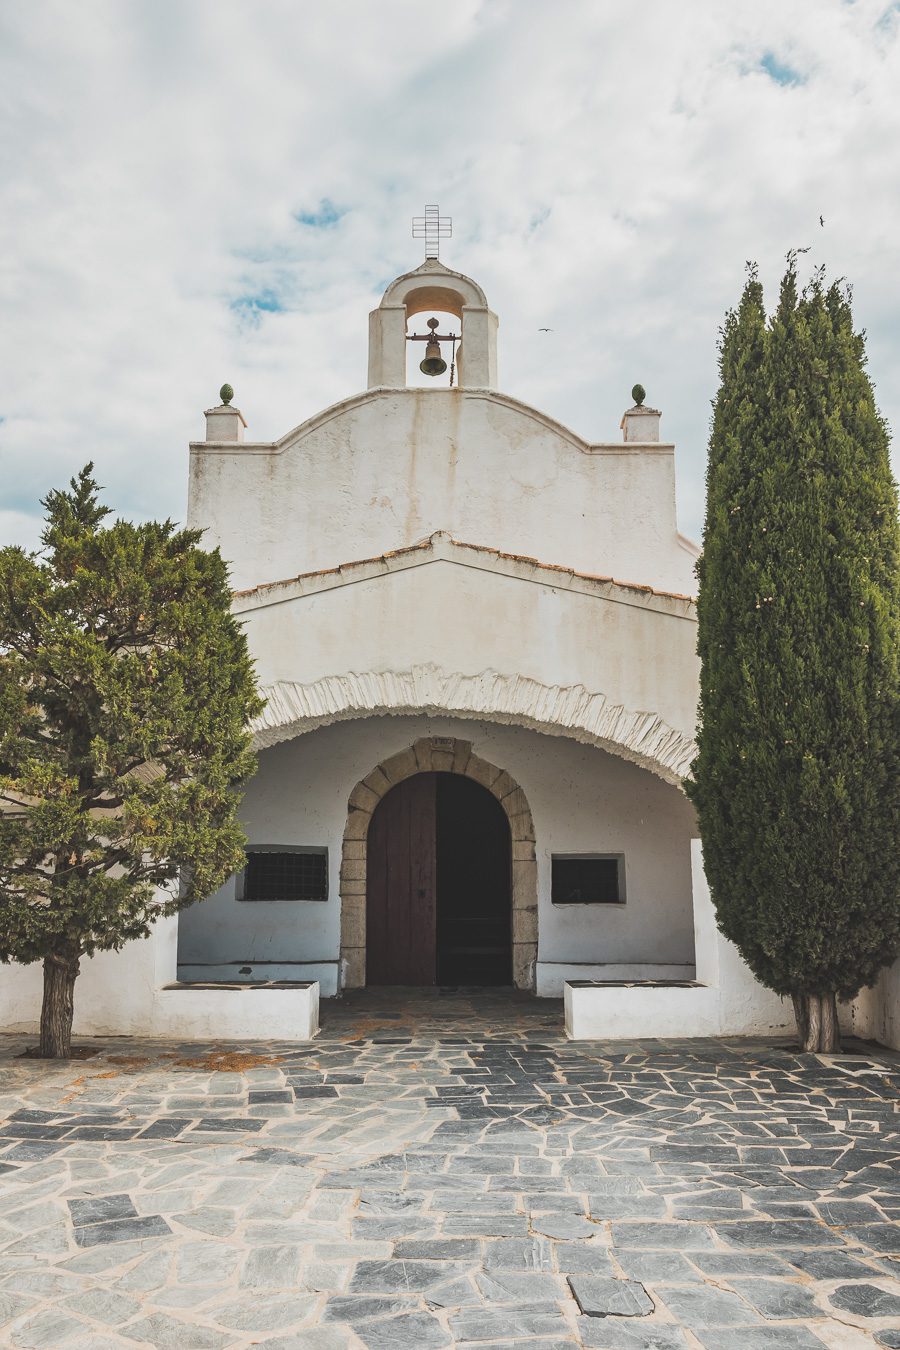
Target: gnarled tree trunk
[
  {"x": 58, "y": 1007},
  {"x": 817, "y": 1023}
]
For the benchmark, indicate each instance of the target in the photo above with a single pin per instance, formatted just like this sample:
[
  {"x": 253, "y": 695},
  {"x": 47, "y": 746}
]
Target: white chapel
[{"x": 476, "y": 635}]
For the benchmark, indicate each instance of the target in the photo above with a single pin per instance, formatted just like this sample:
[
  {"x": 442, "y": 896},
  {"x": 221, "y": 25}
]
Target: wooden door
[{"x": 401, "y": 876}]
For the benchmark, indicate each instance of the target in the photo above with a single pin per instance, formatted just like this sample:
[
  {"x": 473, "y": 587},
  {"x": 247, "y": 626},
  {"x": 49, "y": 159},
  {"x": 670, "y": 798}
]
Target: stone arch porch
[
  {"x": 641, "y": 737},
  {"x": 435, "y": 754}
]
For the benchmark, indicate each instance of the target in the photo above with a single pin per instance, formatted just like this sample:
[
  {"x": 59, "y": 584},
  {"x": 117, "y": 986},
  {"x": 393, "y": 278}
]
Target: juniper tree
[
  {"x": 125, "y": 693},
  {"x": 796, "y": 781}
]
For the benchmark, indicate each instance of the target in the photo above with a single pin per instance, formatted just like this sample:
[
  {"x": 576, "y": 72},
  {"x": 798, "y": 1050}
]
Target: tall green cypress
[{"x": 797, "y": 777}]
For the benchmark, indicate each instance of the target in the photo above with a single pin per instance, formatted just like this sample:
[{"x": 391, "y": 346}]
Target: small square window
[
  {"x": 274, "y": 873},
  {"x": 588, "y": 879}
]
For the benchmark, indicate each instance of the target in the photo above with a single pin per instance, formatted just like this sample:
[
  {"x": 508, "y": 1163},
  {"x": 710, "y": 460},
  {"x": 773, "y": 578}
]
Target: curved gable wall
[{"x": 384, "y": 470}]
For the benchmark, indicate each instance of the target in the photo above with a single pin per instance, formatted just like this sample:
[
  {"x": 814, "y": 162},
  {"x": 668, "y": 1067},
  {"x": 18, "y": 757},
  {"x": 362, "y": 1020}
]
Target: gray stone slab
[
  {"x": 665, "y": 1236},
  {"x": 437, "y": 1249},
  {"x": 604, "y": 1334},
  {"x": 659, "y": 1267},
  {"x": 13, "y": 1305},
  {"x": 103, "y": 1305},
  {"x": 563, "y": 1226},
  {"x": 418, "y": 1331},
  {"x": 883, "y": 1237},
  {"x": 790, "y": 1233},
  {"x": 613, "y": 1206},
  {"x": 830, "y": 1265},
  {"x": 362, "y": 1308},
  {"x": 865, "y": 1300},
  {"x": 703, "y": 1306},
  {"x": 742, "y": 1263},
  {"x": 395, "y": 1276},
  {"x": 45, "y": 1330},
  {"x": 777, "y": 1299},
  {"x": 165, "y": 1332},
  {"x": 518, "y": 1254},
  {"x": 269, "y": 1314},
  {"x": 122, "y": 1230},
  {"x": 271, "y": 1268},
  {"x": 98, "y": 1207},
  {"x": 759, "y": 1338},
  {"x": 506, "y": 1323},
  {"x": 522, "y": 1290},
  {"x": 599, "y": 1296}
]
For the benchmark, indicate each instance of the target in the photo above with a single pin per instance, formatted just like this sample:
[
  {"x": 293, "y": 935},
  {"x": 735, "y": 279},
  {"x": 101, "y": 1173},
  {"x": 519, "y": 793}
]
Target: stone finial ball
[
  {"x": 226, "y": 394},
  {"x": 638, "y": 393}
]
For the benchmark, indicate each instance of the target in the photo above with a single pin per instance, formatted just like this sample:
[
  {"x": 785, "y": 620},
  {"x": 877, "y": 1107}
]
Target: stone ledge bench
[
  {"x": 277, "y": 1010},
  {"x": 601, "y": 1010}
]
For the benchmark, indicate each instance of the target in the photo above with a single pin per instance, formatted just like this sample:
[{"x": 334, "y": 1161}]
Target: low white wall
[
  {"x": 251, "y": 1012},
  {"x": 125, "y": 994},
  {"x": 640, "y": 1012},
  {"x": 726, "y": 1001}
]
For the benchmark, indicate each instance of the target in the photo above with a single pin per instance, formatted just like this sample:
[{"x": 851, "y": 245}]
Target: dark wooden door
[{"x": 401, "y": 874}]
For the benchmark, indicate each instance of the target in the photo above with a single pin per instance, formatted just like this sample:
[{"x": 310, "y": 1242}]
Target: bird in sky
[
  {"x": 822, "y": 220},
  {"x": 546, "y": 330}
]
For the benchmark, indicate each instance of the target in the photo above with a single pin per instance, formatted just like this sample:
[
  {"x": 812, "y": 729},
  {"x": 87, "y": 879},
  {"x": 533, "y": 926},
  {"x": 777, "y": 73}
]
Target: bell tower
[{"x": 433, "y": 287}]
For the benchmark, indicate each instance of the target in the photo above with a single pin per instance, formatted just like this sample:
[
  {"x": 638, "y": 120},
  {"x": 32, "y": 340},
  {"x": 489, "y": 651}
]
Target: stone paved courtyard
[{"x": 443, "y": 1170}]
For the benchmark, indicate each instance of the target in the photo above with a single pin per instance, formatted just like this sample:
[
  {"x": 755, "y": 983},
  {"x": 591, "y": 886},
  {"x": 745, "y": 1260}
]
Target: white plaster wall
[
  {"x": 582, "y": 800},
  {"x": 888, "y": 1024},
  {"x": 124, "y": 994},
  {"x": 637, "y": 650},
  {"x": 114, "y": 994},
  {"x": 726, "y": 1001},
  {"x": 385, "y": 469}
]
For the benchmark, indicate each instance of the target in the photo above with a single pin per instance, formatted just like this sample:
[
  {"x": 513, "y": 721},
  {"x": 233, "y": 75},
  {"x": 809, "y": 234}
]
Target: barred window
[
  {"x": 588, "y": 879},
  {"x": 279, "y": 873}
]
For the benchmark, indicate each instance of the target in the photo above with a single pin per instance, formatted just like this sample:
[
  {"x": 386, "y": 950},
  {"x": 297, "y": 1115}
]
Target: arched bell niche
[
  {"x": 446, "y": 295},
  {"x": 444, "y": 324}
]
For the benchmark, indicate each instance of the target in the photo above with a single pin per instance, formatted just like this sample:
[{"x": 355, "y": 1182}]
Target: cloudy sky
[{"x": 194, "y": 191}]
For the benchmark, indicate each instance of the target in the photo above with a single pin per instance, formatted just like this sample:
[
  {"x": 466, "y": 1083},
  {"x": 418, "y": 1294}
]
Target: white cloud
[{"x": 609, "y": 169}]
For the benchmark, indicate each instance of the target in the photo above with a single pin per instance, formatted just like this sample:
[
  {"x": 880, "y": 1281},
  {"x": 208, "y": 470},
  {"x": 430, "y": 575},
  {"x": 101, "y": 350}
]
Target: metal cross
[{"x": 432, "y": 227}]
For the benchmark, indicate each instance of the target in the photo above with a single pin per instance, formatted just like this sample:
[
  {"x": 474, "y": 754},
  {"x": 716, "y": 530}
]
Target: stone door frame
[{"x": 437, "y": 754}]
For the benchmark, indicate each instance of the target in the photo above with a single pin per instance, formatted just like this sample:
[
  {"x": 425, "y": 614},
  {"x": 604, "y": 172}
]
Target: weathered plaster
[{"x": 640, "y": 737}]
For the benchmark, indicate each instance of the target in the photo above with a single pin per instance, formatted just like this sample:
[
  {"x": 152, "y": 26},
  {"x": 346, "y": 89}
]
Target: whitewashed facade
[{"x": 447, "y": 581}]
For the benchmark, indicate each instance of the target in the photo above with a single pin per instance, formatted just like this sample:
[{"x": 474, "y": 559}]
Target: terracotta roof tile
[{"x": 475, "y": 548}]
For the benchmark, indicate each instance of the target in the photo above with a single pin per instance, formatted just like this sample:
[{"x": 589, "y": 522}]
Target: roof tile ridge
[{"x": 500, "y": 554}]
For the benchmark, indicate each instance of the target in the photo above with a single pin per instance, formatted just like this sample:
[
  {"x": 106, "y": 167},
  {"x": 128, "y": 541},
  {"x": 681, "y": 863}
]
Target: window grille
[
  {"x": 588, "y": 879},
  {"x": 286, "y": 874}
]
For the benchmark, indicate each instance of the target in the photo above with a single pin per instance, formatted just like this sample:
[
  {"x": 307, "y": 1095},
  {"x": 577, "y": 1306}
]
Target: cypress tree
[
  {"x": 125, "y": 692},
  {"x": 797, "y": 777}
]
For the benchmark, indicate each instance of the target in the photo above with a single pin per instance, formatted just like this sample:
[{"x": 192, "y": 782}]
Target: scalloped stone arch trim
[
  {"x": 437, "y": 754},
  {"x": 643, "y": 738}
]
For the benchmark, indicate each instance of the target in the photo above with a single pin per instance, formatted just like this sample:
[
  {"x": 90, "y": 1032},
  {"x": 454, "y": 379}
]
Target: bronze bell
[{"x": 434, "y": 363}]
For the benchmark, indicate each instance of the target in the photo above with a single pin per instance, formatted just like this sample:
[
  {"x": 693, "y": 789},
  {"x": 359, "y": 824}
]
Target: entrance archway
[
  {"x": 438, "y": 885},
  {"x": 438, "y": 755}
]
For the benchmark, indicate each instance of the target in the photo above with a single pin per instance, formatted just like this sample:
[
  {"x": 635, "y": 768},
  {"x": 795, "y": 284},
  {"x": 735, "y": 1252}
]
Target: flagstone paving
[{"x": 438, "y": 1170}]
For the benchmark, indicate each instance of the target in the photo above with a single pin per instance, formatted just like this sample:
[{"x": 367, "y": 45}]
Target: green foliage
[
  {"x": 638, "y": 393},
  {"x": 125, "y": 693},
  {"x": 796, "y": 782}
]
